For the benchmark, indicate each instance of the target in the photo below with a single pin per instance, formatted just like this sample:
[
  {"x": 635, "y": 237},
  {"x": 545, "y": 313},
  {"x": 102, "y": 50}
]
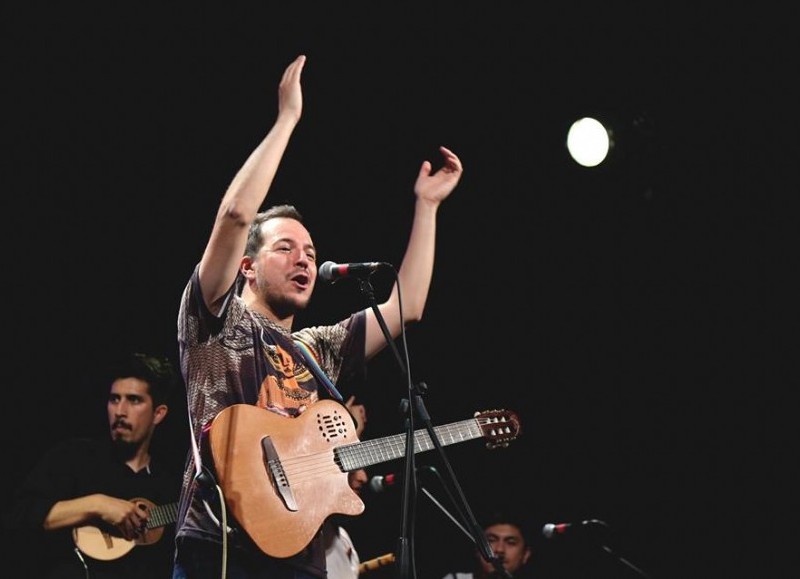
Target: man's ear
[
  {"x": 526, "y": 556},
  {"x": 246, "y": 267},
  {"x": 160, "y": 413}
]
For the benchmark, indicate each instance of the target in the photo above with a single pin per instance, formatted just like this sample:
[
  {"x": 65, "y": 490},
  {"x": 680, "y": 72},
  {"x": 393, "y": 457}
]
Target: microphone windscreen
[{"x": 376, "y": 484}]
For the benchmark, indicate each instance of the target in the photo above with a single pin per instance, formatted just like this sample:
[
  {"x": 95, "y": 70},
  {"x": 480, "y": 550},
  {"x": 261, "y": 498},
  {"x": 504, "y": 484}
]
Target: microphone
[
  {"x": 555, "y": 530},
  {"x": 331, "y": 272},
  {"x": 380, "y": 483}
]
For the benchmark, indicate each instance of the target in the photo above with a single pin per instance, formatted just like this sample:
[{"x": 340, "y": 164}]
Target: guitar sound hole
[{"x": 332, "y": 426}]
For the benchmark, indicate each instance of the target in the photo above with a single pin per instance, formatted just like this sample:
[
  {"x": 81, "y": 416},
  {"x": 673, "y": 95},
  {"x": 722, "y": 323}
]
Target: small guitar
[
  {"x": 281, "y": 478},
  {"x": 104, "y": 546}
]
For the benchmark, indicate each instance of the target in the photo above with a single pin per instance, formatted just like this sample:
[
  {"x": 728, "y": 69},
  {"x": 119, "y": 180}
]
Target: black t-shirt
[{"x": 81, "y": 467}]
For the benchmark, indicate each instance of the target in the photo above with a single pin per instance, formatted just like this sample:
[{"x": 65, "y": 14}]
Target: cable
[
  {"x": 204, "y": 477},
  {"x": 83, "y": 561},
  {"x": 224, "y": 526}
]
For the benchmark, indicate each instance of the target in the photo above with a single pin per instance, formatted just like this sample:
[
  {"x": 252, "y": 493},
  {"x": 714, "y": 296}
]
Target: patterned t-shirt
[{"x": 241, "y": 357}]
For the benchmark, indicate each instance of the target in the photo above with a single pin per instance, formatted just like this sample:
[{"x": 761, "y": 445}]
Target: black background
[{"x": 636, "y": 316}]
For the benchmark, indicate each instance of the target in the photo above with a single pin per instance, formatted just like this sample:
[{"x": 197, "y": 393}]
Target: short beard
[{"x": 284, "y": 308}]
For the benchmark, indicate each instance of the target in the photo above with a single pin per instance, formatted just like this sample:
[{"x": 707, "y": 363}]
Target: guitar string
[
  {"x": 309, "y": 466},
  {"x": 162, "y": 515}
]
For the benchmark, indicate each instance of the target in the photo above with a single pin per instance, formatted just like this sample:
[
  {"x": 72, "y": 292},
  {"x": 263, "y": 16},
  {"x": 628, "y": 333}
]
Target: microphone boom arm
[
  {"x": 461, "y": 504},
  {"x": 369, "y": 292}
]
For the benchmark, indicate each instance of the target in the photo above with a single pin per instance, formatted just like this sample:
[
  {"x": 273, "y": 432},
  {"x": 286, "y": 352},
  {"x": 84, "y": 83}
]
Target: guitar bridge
[{"x": 277, "y": 475}]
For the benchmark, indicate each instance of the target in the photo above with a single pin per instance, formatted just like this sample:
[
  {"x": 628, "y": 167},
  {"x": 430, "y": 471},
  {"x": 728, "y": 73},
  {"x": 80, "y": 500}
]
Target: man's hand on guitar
[
  {"x": 359, "y": 413},
  {"x": 108, "y": 543},
  {"x": 127, "y": 517}
]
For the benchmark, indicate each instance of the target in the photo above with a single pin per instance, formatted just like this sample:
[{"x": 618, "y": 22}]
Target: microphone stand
[
  {"x": 368, "y": 291},
  {"x": 621, "y": 560},
  {"x": 476, "y": 532},
  {"x": 404, "y": 554},
  {"x": 625, "y": 562},
  {"x": 603, "y": 543},
  {"x": 482, "y": 545}
]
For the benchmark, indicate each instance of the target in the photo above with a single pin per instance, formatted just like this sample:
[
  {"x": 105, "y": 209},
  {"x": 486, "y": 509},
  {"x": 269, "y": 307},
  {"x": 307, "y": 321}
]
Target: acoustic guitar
[
  {"x": 106, "y": 546},
  {"x": 282, "y": 477}
]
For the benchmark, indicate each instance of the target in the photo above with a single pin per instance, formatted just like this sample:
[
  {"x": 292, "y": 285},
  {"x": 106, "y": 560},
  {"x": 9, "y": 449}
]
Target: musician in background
[
  {"x": 238, "y": 347},
  {"x": 77, "y": 503},
  {"x": 341, "y": 557},
  {"x": 510, "y": 541}
]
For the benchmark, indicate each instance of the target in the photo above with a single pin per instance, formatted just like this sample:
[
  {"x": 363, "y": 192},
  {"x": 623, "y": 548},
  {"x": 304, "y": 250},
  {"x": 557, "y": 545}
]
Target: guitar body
[
  {"x": 282, "y": 477},
  {"x": 304, "y": 448},
  {"x": 104, "y": 546}
]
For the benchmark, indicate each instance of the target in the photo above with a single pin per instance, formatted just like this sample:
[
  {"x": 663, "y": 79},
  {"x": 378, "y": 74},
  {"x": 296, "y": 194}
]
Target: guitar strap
[
  {"x": 319, "y": 374},
  {"x": 203, "y": 476},
  {"x": 321, "y": 377}
]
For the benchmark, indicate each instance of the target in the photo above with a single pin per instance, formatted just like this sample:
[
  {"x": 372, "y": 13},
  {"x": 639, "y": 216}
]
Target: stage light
[{"x": 588, "y": 142}]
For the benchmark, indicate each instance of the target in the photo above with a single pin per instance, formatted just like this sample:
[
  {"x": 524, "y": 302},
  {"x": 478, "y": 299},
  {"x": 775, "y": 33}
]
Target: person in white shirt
[{"x": 341, "y": 556}]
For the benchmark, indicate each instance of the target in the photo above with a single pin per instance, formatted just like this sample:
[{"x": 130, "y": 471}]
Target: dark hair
[
  {"x": 506, "y": 517},
  {"x": 255, "y": 239},
  {"x": 158, "y": 372}
]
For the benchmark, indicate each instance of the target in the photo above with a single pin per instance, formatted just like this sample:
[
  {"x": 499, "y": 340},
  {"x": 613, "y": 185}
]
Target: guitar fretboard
[
  {"x": 162, "y": 515},
  {"x": 362, "y": 454}
]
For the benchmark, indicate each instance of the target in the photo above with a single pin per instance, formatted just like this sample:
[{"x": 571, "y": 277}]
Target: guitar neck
[
  {"x": 363, "y": 454},
  {"x": 162, "y": 515}
]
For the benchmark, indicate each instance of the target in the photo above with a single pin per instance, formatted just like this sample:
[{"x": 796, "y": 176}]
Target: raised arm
[
  {"x": 247, "y": 192},
  {"x": 416, "y": 269}
]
